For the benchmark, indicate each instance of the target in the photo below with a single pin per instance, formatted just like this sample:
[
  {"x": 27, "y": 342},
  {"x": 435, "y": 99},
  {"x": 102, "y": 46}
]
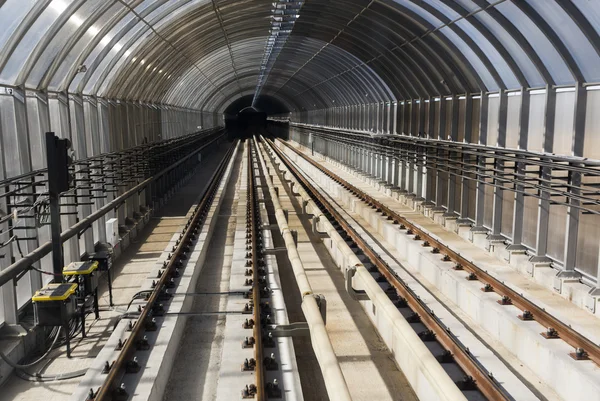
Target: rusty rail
[
  {"x": 486, "y": 384},
  {"x": 111, "y": 388},
  {"x": 584, "y": 347},
  {"x": 253, "y": 221}
]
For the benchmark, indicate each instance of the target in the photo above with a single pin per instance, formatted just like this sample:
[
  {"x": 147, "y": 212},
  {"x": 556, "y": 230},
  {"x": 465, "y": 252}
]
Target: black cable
[{"x": 27, "y": 365}]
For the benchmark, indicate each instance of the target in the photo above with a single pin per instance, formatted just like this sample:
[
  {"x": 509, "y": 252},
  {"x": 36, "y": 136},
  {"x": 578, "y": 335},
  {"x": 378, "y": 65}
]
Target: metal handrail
[{"x": 24, "y": 264}]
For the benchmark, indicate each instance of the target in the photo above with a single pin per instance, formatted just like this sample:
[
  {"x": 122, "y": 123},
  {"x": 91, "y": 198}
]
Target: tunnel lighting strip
[{"x": 283, "y": 17}]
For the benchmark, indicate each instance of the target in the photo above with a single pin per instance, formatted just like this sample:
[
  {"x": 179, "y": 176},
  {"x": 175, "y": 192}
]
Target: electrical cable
[{"x": 23, "y": 366}]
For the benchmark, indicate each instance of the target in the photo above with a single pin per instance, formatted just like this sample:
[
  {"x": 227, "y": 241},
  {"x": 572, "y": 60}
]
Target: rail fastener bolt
[
  {"x": 526, "y": 315},
  {"x": 579, "y": 354},
  {"x": 273, "y": 390},
  {"x": 550, "y": 333},
  {"x": 413, "y": 318},
  {"x": 487, "y": 288},
  {"x": 505, "y": 300},
  {"x": 249, "y": 391},
  {"x": 472, "y": 276},
  {"x": 268, "y": 341},
  {"x": 445, "y": 357},
  {"x": 270, "y": 362},
  {"x": 133, "y": 366},
  {"x": 106, "y": 368},
  {"x": 120, "y": 393},
  {"x": 427, "y": 335},
  {"x": 467, "y": 383},
  {"x": 143, "y": 344},
  {"x": 248, "y": 342}
]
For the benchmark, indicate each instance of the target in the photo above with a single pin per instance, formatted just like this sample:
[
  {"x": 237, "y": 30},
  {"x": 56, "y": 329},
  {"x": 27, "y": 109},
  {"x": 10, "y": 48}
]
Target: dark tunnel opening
[{"x": 243, "y": 119}]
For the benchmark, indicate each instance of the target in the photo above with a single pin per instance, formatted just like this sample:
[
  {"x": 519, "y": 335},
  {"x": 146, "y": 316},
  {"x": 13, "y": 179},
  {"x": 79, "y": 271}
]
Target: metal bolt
[{"x": 527, "y": 315}]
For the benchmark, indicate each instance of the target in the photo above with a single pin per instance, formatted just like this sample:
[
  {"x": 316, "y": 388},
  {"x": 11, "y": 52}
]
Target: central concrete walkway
[
  {"x": 129, "y": 271},
  {"x": 195, "y": 373}
]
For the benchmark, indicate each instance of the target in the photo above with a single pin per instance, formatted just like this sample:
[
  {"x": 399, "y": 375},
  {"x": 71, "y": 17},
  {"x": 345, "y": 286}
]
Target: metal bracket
[
  {"x": 315, "y": 221},
  {"x": 304, "y": 211},
  {"x": 322, "y": 302},
  {"x": 292, "y": 184},
  {"x": 291, "y": 330},
  {"x": 275, "y": 251},
  {"x": 272, "y": 227},
  {"x": 357, "y": 295}
]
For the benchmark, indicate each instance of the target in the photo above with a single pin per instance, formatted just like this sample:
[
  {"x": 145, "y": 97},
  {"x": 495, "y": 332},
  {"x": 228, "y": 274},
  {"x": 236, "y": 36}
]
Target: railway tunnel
[{"x": 299, "y": 200}]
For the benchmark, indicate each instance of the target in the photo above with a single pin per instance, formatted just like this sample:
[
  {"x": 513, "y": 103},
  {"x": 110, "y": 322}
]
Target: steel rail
[
  {"x": 563, "y": 330},
  {"x": 118, "y": 368},
  {"x": 256, "y": 295},
  {"x": 489, "y": 387},
  {"x": 25, "y": 262}
]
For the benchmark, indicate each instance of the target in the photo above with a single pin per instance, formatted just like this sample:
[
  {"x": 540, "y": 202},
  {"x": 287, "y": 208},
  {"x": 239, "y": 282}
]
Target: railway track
[
  {"x": 583, "y": 348},
  {"x": 146, "y": 321},
  {"x": 475, "y": 381},
  {"x": 476, "y": 377},
  {"x": 258, "y": 389}
]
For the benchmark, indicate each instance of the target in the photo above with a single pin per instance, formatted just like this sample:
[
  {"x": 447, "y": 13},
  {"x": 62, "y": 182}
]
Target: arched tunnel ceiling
[{"x": 205, "y": 54}]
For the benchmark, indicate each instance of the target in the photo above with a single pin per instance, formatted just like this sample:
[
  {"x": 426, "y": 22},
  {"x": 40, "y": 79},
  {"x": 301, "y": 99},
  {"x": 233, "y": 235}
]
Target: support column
[
  {"x": 499, "y": 167},
  {"x": 480, "y": 191},
  {"x": 390, "y": 169},
  {"x": 451, "y": 211},
  {"x": 412, "y": 157},
  {"x": 421, "y": 172},
  {"x": 573, "y": 212},
  {"x": 541, "y": 245},
  {"x": 79, "y": 142},
  {"x": 466, "y": 159},
  {"x": 440, "y": 153},
  {"x": 520, "y": 173},
  {"x": 430, "y": 171}
]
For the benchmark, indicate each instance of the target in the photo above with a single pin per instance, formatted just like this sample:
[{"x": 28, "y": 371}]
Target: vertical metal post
[
  {"x": 53, "y": 194},
  {"x": 431, "y": 172},
  {"x": 464, "y": 182},
  {"x": 499, "y": 166},
  {"x": 573, "y": 212},
  {"x": 440, "y": 153},
  {"x": 480, "y": 199},
  {"x": 541, "y": 245},
  {"x": 452, "y": 155},
  {"x": 520, "y": 173},
  {"x": 421, "y": 172}
]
